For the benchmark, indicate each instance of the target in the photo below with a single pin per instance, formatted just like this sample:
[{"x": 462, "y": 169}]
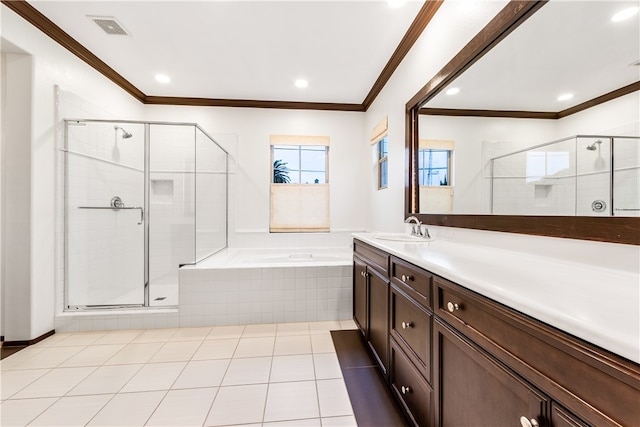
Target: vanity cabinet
[
  {"x": 371, "y": 300},
  {"x": 458, "y": 358},
  {"x": 473, "y": 389},
  {"x": 584, "y": 384}
]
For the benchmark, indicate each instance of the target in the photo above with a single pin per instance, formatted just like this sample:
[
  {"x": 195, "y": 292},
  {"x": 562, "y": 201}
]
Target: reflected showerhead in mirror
[
  {"x": 125, "y": 134},
  {"x": 594, "y": 146}
]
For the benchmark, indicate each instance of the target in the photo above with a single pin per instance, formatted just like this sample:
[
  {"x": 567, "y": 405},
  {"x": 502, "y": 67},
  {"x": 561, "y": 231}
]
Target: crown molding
[
  {"x": 458, "y": 112},
  {"x": 44, "y": 24},
  {"x": 249, "y": 103},
  {"x": 426, "y": 13}
]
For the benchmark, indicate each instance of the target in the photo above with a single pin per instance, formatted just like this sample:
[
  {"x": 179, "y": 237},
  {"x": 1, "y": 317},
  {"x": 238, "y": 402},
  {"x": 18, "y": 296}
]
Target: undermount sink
[{"x": 400, "y": 237}]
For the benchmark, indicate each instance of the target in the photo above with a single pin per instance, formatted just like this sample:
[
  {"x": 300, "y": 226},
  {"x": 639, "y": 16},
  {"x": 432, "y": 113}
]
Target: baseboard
[{"x": 26, "y": 343}]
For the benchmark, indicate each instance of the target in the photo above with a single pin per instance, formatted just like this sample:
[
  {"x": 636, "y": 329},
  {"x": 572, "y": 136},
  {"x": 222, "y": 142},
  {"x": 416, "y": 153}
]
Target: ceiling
[
  {"x": 243, "y": 50},
  {"x": 565, "y": 47}
]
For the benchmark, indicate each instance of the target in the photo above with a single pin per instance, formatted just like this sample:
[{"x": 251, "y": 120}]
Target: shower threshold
[{"x": 137, "y": 307}]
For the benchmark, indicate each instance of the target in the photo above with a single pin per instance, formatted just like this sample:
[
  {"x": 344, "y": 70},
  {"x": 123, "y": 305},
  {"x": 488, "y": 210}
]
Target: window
[
  {"x": 383, "y": 164},
  {"x": 434, "y": 167},
  {"x": 299, "y": 164},
  {"x": 299, "y": 184},
  {"x": 381, "y": 142}
]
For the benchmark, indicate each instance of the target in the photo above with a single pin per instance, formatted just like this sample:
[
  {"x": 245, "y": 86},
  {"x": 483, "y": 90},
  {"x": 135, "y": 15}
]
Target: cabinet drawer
[
  {"x": 413, "y": 280},
  {"x": 411, "y": 328},
  {"x": 374, "y": 257},
  {"x": 412, "y": 391}
]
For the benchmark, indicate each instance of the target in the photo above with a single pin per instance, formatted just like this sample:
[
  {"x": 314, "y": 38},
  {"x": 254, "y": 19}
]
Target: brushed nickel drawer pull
[
  {"x": 525, "y": 422},
  {"x": 451, "y": 306},
  {"x": 407, "y": 278},
  {"x": 407, "y": 325},
  {"x": 405, "y": 389}
]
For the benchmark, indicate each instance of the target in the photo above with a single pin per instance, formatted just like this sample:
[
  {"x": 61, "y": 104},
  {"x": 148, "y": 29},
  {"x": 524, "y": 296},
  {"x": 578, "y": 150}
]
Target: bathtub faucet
[{"x": 416, "y": 230}]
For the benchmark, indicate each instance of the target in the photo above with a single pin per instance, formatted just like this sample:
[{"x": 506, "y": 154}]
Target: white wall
[
  {"x": 452, "y": 27},
  {"x": 52, "y": 65},
  {"x": 16, "y": 203}
]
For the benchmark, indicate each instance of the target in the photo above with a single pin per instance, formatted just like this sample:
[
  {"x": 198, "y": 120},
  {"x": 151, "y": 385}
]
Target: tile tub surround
[
  {"x": 209, "y": 376},
  {"x": 233, "y": 296}
]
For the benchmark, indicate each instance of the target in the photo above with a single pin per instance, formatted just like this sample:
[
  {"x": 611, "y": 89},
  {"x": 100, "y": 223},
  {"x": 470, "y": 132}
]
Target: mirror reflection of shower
[
  {"x": 595, "y": 146},
  {"x": 599, "y": 162},
  {"x": 115, "y": 151},
  {"x": 125, "y": 134}
]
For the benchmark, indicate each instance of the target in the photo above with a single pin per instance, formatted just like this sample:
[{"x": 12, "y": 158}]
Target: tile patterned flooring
[{"x": 254, "y": 375}]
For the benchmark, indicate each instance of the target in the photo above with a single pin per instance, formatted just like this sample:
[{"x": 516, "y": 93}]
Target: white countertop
[{"x": 594, "y": 302}]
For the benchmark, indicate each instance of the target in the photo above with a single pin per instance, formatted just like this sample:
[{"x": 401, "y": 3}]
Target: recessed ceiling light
[
  {"x": 396, "y": 3},
  {"x": 162, "y": 78},
  {"x": 624, "y": 14},
  {"x": 565, "y": 97},
  {"x": 301, "y": 83},
  {"x": 453, "y": 91}
]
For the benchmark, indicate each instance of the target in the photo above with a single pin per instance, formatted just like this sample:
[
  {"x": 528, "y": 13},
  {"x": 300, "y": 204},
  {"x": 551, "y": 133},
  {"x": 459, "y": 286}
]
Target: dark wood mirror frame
[{"x": 606, "y": 229}]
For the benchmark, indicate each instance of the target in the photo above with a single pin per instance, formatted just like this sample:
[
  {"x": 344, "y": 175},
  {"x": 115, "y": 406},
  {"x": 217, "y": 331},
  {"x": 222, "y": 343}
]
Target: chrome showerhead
[
  {"x": 594, "y": 146},
  {"x": 125, "y": 134}
]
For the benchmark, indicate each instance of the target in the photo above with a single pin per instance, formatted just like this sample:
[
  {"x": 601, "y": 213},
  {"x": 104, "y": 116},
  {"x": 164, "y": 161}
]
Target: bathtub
[
  {"x": 242, "y": 286},
  {"x": 274, "y": 258}
]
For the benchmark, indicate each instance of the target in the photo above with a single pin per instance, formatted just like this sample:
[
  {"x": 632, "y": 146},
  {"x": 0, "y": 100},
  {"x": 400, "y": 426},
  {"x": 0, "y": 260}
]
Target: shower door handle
[{"x": 117, "y": 209}]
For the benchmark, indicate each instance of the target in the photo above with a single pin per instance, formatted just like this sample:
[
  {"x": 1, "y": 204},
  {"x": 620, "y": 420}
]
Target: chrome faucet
[{"x": 416, "y": 230}]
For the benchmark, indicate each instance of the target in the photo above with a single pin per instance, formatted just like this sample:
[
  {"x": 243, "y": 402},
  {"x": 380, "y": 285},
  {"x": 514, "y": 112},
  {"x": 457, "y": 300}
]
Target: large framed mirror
[{"x": 534, "y": 126}]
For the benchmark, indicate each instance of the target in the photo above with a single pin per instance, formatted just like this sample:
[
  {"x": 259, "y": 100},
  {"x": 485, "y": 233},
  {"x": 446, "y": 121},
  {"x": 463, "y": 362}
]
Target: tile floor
[{"x": 253, "y": 375}]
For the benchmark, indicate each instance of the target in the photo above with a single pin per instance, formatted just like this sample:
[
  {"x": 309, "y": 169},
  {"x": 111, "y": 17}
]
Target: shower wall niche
[
  {"x": 592, "y": 175},
  {"x": 141, "y": 199}
]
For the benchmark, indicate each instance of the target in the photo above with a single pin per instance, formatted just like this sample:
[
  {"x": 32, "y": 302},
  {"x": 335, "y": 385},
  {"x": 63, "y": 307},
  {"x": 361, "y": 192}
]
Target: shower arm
[{"x": 117, "y": 209}]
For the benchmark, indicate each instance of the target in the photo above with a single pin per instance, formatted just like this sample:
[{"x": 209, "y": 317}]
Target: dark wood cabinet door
[
  {"x": 472, "y": 389},
  {"x": 379, "y": 318},
  {"x": 560, "y": 417},
  {"x": 360, "y": 299}
]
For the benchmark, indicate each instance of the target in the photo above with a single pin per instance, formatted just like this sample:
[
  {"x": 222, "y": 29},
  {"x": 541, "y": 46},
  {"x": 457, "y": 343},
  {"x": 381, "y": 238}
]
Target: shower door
[{"x": 104, "y": 214}]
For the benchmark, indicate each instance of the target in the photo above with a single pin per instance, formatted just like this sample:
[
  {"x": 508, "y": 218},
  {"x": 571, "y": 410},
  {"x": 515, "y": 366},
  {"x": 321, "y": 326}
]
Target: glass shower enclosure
[
  {"x": 584, "y": 175},
  {"x": 140, "y": 200}
]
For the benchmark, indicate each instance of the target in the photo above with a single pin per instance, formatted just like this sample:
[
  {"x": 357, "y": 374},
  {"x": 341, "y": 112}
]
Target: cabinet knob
[
  {"x": 407, "y": 325},
  {"x": 405, "y": 389},
  {"x": 406, "y": 278},
  {"x": 525, "y": 422},
  {"x": 451, "y": 306}
]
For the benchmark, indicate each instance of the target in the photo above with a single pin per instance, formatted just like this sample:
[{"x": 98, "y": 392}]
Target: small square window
[{"x": 434, "y": 167}]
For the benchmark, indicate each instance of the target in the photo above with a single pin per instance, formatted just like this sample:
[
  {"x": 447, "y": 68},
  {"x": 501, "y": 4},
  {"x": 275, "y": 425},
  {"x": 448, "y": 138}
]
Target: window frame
[
  {"x": 421, "y": 152},
  {"x": 382, "y": 160},
  {"x": 300, "y": 170}
]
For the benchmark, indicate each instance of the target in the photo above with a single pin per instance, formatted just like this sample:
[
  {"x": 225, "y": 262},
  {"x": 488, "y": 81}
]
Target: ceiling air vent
[{"x": 109, "y": 25}]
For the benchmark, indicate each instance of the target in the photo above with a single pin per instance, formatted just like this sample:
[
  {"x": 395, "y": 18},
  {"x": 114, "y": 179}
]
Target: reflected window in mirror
[
  {"x": 435, "y": 175},
  {"x": 434, "y": 167}
]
